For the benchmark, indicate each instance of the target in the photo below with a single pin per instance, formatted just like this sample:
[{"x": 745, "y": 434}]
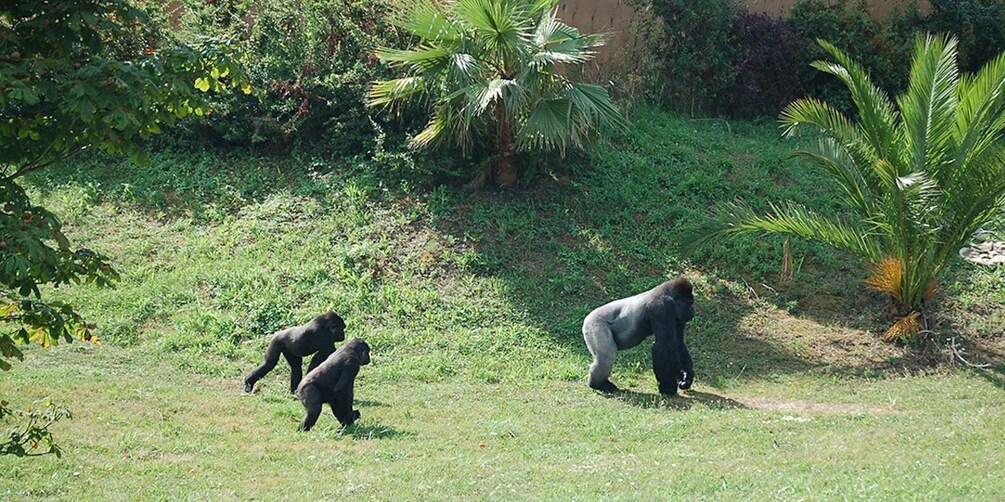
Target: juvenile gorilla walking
[
  {"x": 317, "y": 337},
  {"x": 332, "y": 382},
  {"x": 623, "y": 324}
]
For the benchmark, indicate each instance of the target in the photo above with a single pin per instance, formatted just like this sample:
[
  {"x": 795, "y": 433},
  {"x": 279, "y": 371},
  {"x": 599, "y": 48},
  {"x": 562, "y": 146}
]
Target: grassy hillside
[{"x": 473, "y": 304}]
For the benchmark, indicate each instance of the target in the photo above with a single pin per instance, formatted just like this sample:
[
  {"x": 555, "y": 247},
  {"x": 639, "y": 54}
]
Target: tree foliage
[
  {"x": 28, "y": 434},
  {"x": 309, "y": 62},
  {"x": 76, "y": 75},
  {"x": 919, "y": 174},
  {"x": 81, "y": 74},
  {"x": 501, "y": 66}
]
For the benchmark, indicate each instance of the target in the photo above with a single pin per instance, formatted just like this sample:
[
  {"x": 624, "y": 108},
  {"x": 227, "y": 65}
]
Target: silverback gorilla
[
  {"x": 317, "y": 337},
  {"x": 623, "y": 324},
  {"x": 332, "y": 382}
]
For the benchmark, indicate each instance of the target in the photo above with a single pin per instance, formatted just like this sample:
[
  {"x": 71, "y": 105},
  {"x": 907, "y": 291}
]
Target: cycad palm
[
  {"x": 920, "y": 175},
  {"x": 496, "y": 65}
]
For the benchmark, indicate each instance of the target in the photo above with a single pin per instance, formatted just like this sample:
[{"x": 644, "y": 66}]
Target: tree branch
[{"x": 38, "y": 164}]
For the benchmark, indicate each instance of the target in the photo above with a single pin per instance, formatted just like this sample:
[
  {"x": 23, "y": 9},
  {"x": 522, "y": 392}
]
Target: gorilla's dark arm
[
  {"x": 342, "y": 395},
  {"x": 666, "y": 359},
  {"x": 687, "y": 377}
]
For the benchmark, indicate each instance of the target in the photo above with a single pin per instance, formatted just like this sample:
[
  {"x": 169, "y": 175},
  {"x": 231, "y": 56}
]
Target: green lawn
[
  {"x": 473, "y": 304},
  {"x": 143, "y": 429}
]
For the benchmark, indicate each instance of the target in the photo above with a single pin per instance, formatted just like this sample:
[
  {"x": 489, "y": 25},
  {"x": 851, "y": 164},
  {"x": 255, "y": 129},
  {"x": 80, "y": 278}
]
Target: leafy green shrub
[
  {"x": 77, "y": 76},
  {"x": 770, "y": 66},
  {"x": 881, "y": 46},
  {"x": 979, "y": 25},
  {"x": 696, "y": 52},
  {"x": 309, "y": 62}
]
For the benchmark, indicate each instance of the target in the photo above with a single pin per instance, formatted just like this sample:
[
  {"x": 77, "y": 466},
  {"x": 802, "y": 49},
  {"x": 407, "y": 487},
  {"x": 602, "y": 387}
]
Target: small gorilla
[
  {"x": 623, "y": 324},
  {"x": 317, "y": 337},
  {"x": 332, "y": 382}
]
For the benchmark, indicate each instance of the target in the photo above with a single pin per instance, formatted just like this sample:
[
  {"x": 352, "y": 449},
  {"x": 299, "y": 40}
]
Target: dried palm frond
[
  {"x": 787, "y": 260},
  {"x": 905, "y": 327},
  {"x": 886, "y": 277}
]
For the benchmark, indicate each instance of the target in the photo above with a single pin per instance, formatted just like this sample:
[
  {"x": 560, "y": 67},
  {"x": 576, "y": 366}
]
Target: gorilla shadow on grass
[
  {"x": 370, "y": 430},
  {"x": 681, "y": 402},
  {"x": 365, "y": 429},
  {"x": 371, "y": 404}
]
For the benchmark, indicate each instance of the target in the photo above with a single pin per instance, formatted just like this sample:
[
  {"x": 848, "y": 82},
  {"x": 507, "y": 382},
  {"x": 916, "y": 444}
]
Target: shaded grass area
[
  {"x": 142, "y": 429},
  {"x": 473, "y": 303}
]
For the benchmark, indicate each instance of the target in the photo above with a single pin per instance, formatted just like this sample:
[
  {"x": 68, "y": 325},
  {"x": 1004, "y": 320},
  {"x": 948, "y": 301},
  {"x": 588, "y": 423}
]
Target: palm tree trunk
[{"x": 504, "y": 168}]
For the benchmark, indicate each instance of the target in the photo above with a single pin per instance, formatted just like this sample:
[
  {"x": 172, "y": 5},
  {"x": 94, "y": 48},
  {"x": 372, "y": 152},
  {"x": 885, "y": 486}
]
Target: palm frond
[
  {"x": 548, "y": 126},
  {"x": 561, "y": 43},
  {"x": 928, "y": 108},
  {"x": 433, "y": 130},
  {"x": 389, "y": 92},
  {"x": 887, "y": 275},
  {"x": 856, "y": 183},
  {"x": 427, "y": 21},
  {"x": 905, "y": 328},
  {"x": 594, "y": 102},
  {"x": 877, "y": 114},
  {"x": 737, "y": 219},
  {"x": 421, "y": 59},
  {"x": 535, "y": 7},
  {"x": 503, "y": 26},
  {"x": 824, "y": 118},
  {"x": 980, "y": 120},
  {"x": 480, "y": 97}
]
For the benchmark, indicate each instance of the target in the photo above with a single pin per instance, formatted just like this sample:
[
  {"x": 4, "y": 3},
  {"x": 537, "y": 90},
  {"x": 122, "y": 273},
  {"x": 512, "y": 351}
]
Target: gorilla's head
[
  {"x": 361, "y": 348},
  {"x": 335, "y": 325},
  {"x": 683, "y": 298}
]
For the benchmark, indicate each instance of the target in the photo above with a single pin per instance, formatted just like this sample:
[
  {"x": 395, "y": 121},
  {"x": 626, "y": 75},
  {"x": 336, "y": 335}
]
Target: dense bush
[
  {"x": 881, "y": 46},
  {"x": 979, "y": 25},
  {"x": 770, "y": 66},
  {"x": 720, "y": 59},
  {"x": 696, "y": 52},
  {"x": 309, "y": 62}
]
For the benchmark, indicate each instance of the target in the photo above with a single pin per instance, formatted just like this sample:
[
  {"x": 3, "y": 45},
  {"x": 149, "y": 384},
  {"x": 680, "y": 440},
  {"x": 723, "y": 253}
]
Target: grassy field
[{"x": 473, "y": 304}]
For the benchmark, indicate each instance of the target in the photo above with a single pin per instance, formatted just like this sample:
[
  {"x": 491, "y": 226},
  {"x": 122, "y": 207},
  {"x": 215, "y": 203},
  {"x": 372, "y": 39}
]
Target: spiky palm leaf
[
  {"x": 482, "y": 62},
  {"x": 920, "y": 174}
]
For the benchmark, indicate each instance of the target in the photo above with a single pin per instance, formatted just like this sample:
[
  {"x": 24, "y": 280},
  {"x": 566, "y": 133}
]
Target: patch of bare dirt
[{"x": 818, "y": 408}]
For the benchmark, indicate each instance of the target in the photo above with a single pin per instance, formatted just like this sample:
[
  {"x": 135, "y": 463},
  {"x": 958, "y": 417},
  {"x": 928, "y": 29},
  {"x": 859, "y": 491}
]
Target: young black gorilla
[
  {"x": 332, "y": 382},
  {"x": 623, "y": 324},
  {"x": 317, "y": 337}
]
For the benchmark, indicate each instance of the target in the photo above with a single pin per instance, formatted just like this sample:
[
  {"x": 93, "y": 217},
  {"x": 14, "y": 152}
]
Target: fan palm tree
[
  {"x": 496, "y": 66},
  {"x": 919, "y": 175}
]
